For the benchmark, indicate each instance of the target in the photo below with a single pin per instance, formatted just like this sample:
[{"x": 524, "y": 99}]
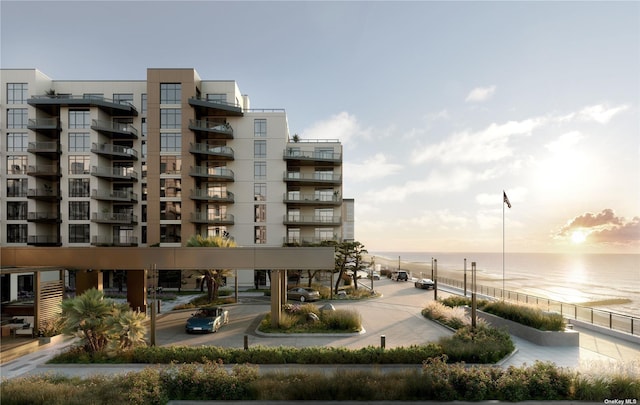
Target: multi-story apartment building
[{"x": 153, "y": 162}]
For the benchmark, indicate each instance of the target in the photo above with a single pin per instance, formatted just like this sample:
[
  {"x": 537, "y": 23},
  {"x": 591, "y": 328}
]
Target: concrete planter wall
[{"x": 539, "y": 337}]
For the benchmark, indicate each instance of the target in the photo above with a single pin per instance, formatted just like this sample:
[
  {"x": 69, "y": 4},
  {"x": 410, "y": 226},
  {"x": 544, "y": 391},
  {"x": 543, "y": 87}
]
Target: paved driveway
[{"x": 396, "y": 315}]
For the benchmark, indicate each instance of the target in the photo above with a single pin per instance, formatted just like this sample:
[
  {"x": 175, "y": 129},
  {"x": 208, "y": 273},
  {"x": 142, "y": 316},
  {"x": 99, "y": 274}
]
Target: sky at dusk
[{"x": 440, "y": 106}]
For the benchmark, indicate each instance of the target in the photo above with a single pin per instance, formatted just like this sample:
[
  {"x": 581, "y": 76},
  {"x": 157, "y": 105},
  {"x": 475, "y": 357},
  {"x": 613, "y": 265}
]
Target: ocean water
[{"x": 604, "y": 281}]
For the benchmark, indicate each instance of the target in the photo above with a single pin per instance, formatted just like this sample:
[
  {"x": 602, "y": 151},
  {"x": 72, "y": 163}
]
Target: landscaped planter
[
  {"x": 540, "y": 337},
  {"x": 52, "y": 339}
]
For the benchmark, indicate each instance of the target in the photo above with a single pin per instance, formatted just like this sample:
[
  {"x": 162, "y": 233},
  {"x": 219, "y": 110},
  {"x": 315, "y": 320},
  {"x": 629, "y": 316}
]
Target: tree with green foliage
[
  {"x": 349, "y": 255},
  {"x": 214, "y": 278},
  {"x": 98, "y": 322}
]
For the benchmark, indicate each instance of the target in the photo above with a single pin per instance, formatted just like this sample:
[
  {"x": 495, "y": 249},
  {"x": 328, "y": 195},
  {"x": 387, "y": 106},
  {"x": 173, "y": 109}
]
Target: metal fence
[{"x": 615, "y": 321}]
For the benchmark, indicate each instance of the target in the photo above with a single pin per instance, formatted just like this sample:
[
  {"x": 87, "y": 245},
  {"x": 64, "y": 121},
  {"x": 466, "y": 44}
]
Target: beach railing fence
[{"x": 599, "y": 317}]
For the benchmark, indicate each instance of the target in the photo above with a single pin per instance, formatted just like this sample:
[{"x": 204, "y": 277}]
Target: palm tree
[
  {"x": 100, "y": 323},
  {"x": 213, "y": 277}
]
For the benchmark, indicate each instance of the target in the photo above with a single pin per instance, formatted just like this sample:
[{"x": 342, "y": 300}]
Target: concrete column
[
  {"x": 88, "y": 279},
  {"x": 276, "y": 297},
  {"x": 137, "y": 289},
  {"x": 283, "y": 287}
]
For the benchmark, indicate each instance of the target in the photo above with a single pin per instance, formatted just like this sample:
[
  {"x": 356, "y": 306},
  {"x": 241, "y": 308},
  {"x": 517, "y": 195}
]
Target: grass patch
[
  {"x": 307, "y": 318},
  {"x": 526, "y": 315}
]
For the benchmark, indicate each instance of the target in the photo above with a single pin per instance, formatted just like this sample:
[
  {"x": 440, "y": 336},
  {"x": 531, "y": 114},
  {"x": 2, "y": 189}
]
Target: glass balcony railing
[
  {"x": 114, "y": 127},
  {"x": 205, "y": 149},
  {"x": 115, "y": 150},
  {"x": 213, "y": 172}
]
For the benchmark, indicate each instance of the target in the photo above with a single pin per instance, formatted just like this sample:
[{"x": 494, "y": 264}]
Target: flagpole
[{"x": 503, "y": 193}]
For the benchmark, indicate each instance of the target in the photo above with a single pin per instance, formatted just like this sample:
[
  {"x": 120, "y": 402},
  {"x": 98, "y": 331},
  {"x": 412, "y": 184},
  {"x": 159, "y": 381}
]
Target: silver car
[{"x": 303, "y": 294}]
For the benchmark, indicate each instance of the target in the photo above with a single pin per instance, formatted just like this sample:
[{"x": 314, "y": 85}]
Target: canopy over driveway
[{"x": 168, "y": 258}]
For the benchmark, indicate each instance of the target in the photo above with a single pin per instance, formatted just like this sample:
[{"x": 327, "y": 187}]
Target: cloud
[
  {"x": 488, "y": 145},
  {"x": 516, "y": 195},
  {"x": 375, "y": 167},
  {"x": 342, "y": 126},
  {"x": 480, "y": 94},
  {"x": 604, "y": 227},
  {"x": 599, "y": 113},
  {"x": 565, "y": 142}
]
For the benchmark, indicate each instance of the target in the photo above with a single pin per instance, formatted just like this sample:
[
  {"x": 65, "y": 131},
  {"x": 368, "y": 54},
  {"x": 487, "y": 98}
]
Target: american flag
[{"x": 506, "y": 199}]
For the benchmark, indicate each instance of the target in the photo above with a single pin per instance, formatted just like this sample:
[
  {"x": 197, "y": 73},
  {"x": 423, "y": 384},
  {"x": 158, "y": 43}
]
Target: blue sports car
[{"x": 207, "y": 320}]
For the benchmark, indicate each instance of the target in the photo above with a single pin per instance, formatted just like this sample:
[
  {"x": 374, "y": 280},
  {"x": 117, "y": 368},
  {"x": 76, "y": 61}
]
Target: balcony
[
  {"x": 115, "y": 173},
  {"x": 219, "y": 108},
  {"x": 313, "y": 199},
  {"x": 115, "y": 195},
  {"x": 220, "y": 152},
  {"x": 51, "y": 104},
  {"x": 200, "y": 217},
  {"x": 299, "y": 241},
  {"x": 216, "y": 130},
  {"x": 44, "y": 240},
  {"x": 113, "y": 218},
  {"x": 44, "y": 217},
  {"x": 115, "y": 129},
  {"x": 115, "y": 152},
  {"x": 49, "y": 127},
  {"x": 44, "y": 171},
  {"x": 312, "y": 157},
  {"x": 110, "y": 240},
  {"x": 46, "y": 193},
  {"x": 211, "y": 195},
  {"x": 50, "y": 150},
  {"x": 213, "y": 173},
  {"x": 314, "y": 179},
  {"x": 312, "y": 220}
]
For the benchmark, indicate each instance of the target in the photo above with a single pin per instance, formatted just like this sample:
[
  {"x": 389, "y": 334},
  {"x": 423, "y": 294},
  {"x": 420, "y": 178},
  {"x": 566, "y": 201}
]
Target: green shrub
[
  {"x": 342, "y": 319},
  {"x": 525, "y": 315},
  {"x": 482, "y": 344}
]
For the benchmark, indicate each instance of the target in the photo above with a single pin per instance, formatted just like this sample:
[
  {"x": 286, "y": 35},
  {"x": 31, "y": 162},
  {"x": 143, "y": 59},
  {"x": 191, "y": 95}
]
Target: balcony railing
[
  {"x": 44, "y": 171},
  {"x": 211, "y": 107},
  {"x": 211, "y": 195},
  {"x": 210, "y": 218},
  {"x": 44, "y": 240},
  {"x": 124, "y": 173},
  {"x": 312, "y": 220},
  {"x": 312, "y": 199},
  {"x": 46, "y": 148},
  {"x": 219, "y": 173},
  {"x": 114, "y": 195},
  {"x": 44, "y": 124},
  {"x": 223, "y": 152},
  {"x": 110, "y": 240},
  {"x": 299, "y": 241},
  {"x": 46, "y": 193},
  {"x": 312, "y": 155},
  {"x": 113, "y": 218},
  {"x": 49, "y": 102},
  {"x": 223, "y": 129},
  {"x": 314, "y": 178},
  {"x": 114, "y": 150},
  {"x": 43, "y": 216},
  {"x": 114, "y": 127}
]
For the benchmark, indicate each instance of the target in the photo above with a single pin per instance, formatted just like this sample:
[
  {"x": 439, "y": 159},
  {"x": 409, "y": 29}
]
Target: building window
[
  {"x": 170, "y": 93},
  {"x": 17, "y": 93},
  {"x": 79, "y": 210},
  {"x": 144, "y": 127},
  {"x": 79, "y": 119},
  {"x": 79, "y": 142},
  {"x": 217, "y": 97},
  {"x": 260, "y": 191},
  {"x": 322, "y": 234},
  {"x": 170, "y": 233},
  {"x": 170, "y": 118},
  {"x": 170, "y": 142},
  {"x": 123, "y": 98},
  {"x": 260, "y": 127},
  {"x": 17, "y": 187},
  {"x": 260, "y": 149},
  {"x": 170, "y": 210},
  {"x": 170, "y": 187},
  {"x": 17, "y": 142},
  {"x": 144, "y": 234},
  {"x": 79, "y": 164},
  {"x": 260, "y": 170},
  {"x": 143, "y": 103},
  {"x": 170, "y": 164},
  {"x": 323, "y": 174},
  {"x": 16, "y": 233},
  {"x": 260, "y": 235},
  {"x": 260, "y": 213},
  {"x": 78, "y": 187},
  {"x": 16, "y": 164},
  {"x": 293, "y": 235},
  {"x": 324, "y": 214},
  {"x": 16, "y": 118},
  {"x": 79, "y": 233},
  {"x": 293, "y": 215},
  {"x": 17, "y": 210}
]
